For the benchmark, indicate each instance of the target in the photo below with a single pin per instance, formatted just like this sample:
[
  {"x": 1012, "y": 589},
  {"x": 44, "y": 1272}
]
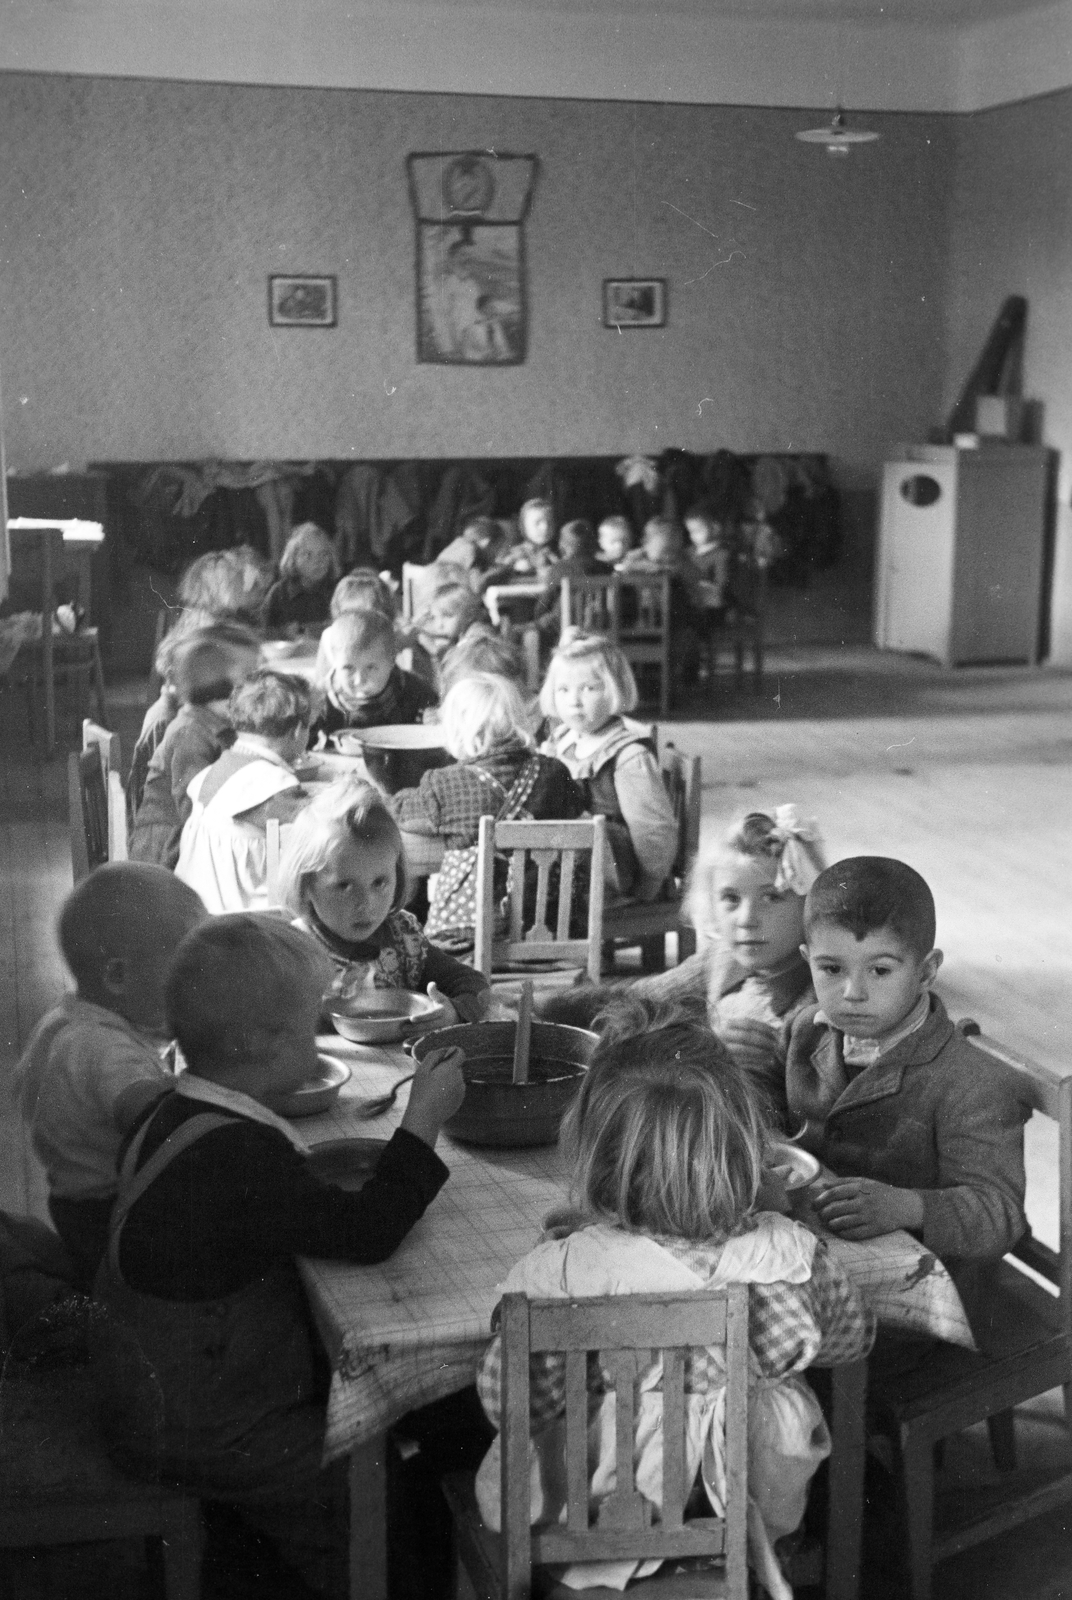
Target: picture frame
[
  {"x": 634, "y": 303},
  {"x": 302, "y": 300}
]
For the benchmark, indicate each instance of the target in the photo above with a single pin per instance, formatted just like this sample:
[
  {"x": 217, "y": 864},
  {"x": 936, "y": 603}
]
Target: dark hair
[
  {"x": 583, "y": 535},
  {"x": 482, "y": 528},
  {"x": 866, "y": 893},
  {"x": 271, "y": 704},
  {"x": 206, "y": 667}
]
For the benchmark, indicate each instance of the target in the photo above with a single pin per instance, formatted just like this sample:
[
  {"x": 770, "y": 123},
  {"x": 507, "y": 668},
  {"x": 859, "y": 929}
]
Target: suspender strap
[{"x": 133, "y": 1184}]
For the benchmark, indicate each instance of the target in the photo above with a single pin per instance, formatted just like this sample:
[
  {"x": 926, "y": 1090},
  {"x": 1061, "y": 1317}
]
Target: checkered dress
[
  {"x": 792, "y": 1326},
  {"x": 450, "y": 801}
]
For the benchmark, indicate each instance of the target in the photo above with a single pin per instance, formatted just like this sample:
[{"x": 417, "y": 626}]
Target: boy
[
  {"x": 93, "y": 1063},
  {"x": 615, "y": 536},
  {"x": 921, "y": 1130},
  {"x": 365, "y": 687},
  {"x": 214, "y": 1345}
]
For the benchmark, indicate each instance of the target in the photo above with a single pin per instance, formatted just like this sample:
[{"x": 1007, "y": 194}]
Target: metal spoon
[{"x": 367, "y": 1109}]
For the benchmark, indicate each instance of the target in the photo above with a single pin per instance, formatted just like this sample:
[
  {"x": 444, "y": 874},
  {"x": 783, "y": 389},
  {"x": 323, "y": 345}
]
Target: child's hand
[
  {"x": 438, "y": 1090},
  {"x": 862, "y": 1208},
  {"x": 448, "y": 1018},
  {"x": 753, "y": 1045}
]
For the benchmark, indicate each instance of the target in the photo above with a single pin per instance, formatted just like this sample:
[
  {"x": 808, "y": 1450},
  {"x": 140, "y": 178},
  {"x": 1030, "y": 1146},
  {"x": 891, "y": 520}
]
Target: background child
[
  {"x": 535, "y": 553},
  {"x": 447, "y": 617},
  {"x": 483, "y": 650},
  {"x": 577, "y": 559},
  {"x": 498, "y": 774},
  {"x": 589, "y": 684},
  {"x": 664, "y": 1144},
  {"x": 476, "y": 550},
  {"x": 365, "y": 688},
  {"x": 662, "y": 549},
  {"x": 615, "y": 538},
  {"x": 711, "y": 553},
  {"x": 923, "y": 1131},
  {"x": 363, "y": 590},
  {"x": 205, "y": 669},
  {"x": 227, "y": 586},
  {"x": 223, "y": 850},
  {"x": 94, "y": 1063},
  {"x": 308, "y": 573},
  {"x": 216, "y": 1378},
  {"x": 343, "y": 875}
]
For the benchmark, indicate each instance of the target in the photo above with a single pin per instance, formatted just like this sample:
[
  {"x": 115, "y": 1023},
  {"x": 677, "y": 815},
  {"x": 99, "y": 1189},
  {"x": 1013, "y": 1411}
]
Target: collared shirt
[
  {"x": 859, "y": 1051},
  {"x": 215, "y": 1094}
]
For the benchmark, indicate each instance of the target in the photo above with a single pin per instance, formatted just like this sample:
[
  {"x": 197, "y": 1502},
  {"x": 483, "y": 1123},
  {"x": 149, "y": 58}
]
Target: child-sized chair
[
  {"x": 648, "y": 923},
  {"x": 633, "y": 611},
  {"x": 1028, "y": 1351},
  {"x": 626, "y": 1330},
  {"x": 547, "y": 953}
]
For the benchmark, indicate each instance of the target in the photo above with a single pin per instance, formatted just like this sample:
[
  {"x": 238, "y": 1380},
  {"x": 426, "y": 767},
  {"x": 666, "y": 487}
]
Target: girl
[
  {"x": 449, "y": 614},
  {"x": 308, "y": 573},
  {"x": 589, "y": 684},
  {"x": 498, "y": 774},
  {"x": 343, "y": 876},
  {"x": 664, "y": 1143},
  {"x": 223, "y": 850},
  {"x": 711, "y": 553}
]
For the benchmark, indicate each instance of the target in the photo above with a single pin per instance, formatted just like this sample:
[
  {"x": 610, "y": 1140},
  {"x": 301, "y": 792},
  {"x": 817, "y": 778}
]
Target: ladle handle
[{"x": 523, "y": 1037}]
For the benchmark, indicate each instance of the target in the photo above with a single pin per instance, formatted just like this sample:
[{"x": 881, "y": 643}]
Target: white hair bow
[{"x": 801, "y": 860}]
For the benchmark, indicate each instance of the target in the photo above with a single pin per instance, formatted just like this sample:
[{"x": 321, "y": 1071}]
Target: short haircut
[
  {"x": 583, "y": 536},
  {"x": 237, "y": 976},
  {"x": 666, "y": 1133},
  {"x": 308, "y": 539},
  {"x": 601, "y": 653},
  {"x": 363, "y": 590},
  {"x": 355, "y": 631},
  {"x": 227, "y": 582},
  {"x": 351, "y": 808},
  {"x": 205, "y": 667},
  {"x": 272, "y": 704},
  {"x": 456, "y": 600},
  {"x": 481, "y": 713},
  {"x": 536, "y": 504},
  {"x": 867, "y": 893},
  {"x": 481, "y": 650},
  {"x": 107, "y": 910},
  {"x": 666, "y": 528}
]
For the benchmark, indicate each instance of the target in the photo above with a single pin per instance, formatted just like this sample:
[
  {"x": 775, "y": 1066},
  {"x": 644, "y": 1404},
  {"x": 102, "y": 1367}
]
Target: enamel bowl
[
  {"x": 316, "y": 1094},
  {"x": 382, "y": 1016},
  {"x": 398, "y": 755},
  {"x": 795, "y": 1167}
]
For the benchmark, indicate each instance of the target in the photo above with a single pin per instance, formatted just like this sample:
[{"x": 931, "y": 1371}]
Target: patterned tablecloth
[{"x": 411, "y": 1330}]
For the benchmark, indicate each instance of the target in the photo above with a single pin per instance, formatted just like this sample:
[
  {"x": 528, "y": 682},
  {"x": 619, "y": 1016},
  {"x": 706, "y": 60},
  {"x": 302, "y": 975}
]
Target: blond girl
[
  {"x": 308, "y": 573},
  {"x": 589, "y": 685},
  {"x": 665, "y": 1145}
]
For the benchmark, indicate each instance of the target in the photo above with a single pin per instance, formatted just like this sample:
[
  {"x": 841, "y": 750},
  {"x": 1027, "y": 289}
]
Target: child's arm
[
  {"x": 649, "y": 816},
  {"x": 467, "y": 989},
  {"x": 417, "y": 810},
  {"x": 846, "y": 1326}
]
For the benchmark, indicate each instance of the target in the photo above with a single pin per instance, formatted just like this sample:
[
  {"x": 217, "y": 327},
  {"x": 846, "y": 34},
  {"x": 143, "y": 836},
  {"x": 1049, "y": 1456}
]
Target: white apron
[
  {"x": 224, "y": 859},
  {"x": 787, "y": 1434}
]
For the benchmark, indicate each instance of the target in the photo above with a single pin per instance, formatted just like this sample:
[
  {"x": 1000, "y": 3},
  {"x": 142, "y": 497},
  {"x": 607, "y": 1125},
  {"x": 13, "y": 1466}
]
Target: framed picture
[
  {"x": 634, "y": 302},
  {"x": 301, "y": 302},
  {"x": 471, "y": 294}
]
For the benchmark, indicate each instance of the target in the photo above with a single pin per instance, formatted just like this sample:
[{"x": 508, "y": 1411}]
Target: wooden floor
[{"x": 968, "y": 776}]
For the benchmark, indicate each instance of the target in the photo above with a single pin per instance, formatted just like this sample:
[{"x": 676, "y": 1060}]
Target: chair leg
[
  {"x": 917, "y": 1477},
  {"x": 1002, "y": 1430},
  {"x": 653, "y": 954}
]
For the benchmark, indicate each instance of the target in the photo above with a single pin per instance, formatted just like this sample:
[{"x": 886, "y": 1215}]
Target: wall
[
  {"x": 1012, "y": 234},
  {"x": 139, "y": 221}
]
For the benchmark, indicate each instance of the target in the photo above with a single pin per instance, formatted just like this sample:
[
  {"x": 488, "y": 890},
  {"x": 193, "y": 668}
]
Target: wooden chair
[
  {"x": 58, "y": 1485},
  {"x": 108, "y": 747},
  {"x": 1028, "y": 1352},
  {"x": 547, "y": 844},
  {"x": 87, "y": 800},
  {"x": 624, "y": 1330},
  {"x": 648, "y": 924},
  {"x": 634, "y": 611},
  {"x": 58, "y": 659},
  {"x": 417, "y": 585}
]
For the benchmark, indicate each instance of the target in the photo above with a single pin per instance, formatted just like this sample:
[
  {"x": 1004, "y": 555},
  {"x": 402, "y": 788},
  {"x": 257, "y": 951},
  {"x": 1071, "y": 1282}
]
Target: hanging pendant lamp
[{"x": 838, "y": 137}]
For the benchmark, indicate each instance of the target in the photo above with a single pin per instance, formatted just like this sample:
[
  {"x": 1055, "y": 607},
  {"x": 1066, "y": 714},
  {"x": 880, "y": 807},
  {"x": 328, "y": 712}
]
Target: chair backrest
[
  {"x": 87, "y": 797},
  {"x": 1047, "y": 1090},
  {"x": 98, "y": 738},
  {"x": 590, "y": 603},
  {"x": 626, "y": 1330},
  {"x": 276, "y": 837},
  {"x": 633, "y": 610},
  {"x": 547, "y": 844},
  {"x": 683, "y": 777},
  {"x": 417, "y": 585}
]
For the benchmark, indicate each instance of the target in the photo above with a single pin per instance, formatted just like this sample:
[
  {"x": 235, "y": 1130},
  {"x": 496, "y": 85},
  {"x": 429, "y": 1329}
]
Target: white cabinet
[{"x": 960, "y": 556}]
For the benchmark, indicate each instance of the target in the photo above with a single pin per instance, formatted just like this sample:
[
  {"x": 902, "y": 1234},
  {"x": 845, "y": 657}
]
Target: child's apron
[
  {"x": 787, "y": 1434},
  {"x": 206, "y": 1390}
]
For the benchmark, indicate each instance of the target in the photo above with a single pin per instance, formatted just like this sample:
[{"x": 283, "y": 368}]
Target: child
[
  {"x": 664, "y": 1143},
  {"x": 483, "y": 650},
  {"x": 223, "y": 850},
  {"x": 449, "y": 614},
  {"x": 364, "y": 686},
  {"x": 498, "y": 774},
  {"x": 215, "y": 1375},
  {"x": 589, "y": 684},
  {"x": 615, "y": 537},
  {"x": 363, "y": 590},
  {"x": 343, "y": 875},
  {"x": 308, "y": 573},
  {"x": 475, "y": 550},
  {"x": 711, "y": 553},
  {"x": 922, "y": 1131},
  {"x": 577, "y": 552},
  {"x": 662, "y": 549},
  {"x": 93, "y": 1063},
  {"x": 532, "y": 557},
  {"x": 205, "y": 670}
]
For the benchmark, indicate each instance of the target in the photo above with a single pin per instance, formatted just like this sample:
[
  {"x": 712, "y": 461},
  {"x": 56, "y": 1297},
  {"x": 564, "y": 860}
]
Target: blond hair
[
  {"x": 481, "y": 713},
  {"x": 308, "y": 539},
  {"x": 605, "y": 656},
  {"x": 349, "y": 808},
  {"x": 665, "y": 1135},
  {"x": 756, "y": 835}
]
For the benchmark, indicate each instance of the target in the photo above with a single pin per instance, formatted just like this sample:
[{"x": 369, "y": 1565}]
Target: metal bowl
[
  {"x": 795, "y": 1167},
  {"x": 381, "y": 1016},
  {"x": 397, "y": 755},
  {"x": 496, "y": 1111},
  {"x": 316, "y": 1094}
]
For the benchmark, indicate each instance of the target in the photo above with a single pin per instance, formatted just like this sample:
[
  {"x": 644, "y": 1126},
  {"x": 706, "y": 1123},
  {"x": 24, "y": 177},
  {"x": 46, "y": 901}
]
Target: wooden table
[
  {"x": 497, "y": 593},
  {"x": 412, "y": 1330}
]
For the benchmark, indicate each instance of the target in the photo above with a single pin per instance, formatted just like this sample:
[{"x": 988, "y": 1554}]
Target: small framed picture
[
  {"x": 301, "y": 302},
  {"x": 634, "y": 302}
]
